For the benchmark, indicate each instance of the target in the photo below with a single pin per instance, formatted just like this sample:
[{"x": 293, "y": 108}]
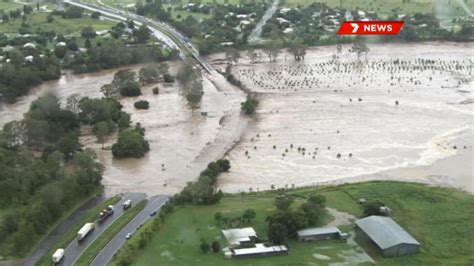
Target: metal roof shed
[
  {"x": 318, "y": 233},
  {"x": 238, "y": 236},
  {"x": 388, "y": 236}
]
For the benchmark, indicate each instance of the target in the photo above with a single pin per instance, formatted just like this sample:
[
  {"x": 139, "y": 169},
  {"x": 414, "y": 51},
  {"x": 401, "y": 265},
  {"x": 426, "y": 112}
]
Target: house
[
  {"x": 319, "y": 233},
  {"x": 239, "y": 236},
  {"x": 260, "y": 250},
  {"x": 288, "y": 31},
  {"x": 389, "y": 238},
  {"x": 29, "y": 45}
]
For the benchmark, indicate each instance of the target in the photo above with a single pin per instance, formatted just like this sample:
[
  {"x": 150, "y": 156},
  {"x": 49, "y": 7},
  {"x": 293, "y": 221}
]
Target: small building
[
  {"x": 387, "y": 236},
  {"x": 319, "y": 233},
  {"x": 29, "y": 45},
  {"x": 239, "y": 236},
  {"x": 260, "y": 250}
]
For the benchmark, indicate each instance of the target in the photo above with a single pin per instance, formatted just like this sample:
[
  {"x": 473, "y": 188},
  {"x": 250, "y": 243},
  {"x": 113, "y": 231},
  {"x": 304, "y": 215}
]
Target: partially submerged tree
[{"x": 298, "y": 49}]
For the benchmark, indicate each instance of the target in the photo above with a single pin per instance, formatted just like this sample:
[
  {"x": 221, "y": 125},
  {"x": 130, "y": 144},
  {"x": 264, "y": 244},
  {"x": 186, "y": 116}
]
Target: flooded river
[
  {"x": 182, "y": 143},
  {"x": 319, "y": 122},
  {"x": 326, "y": 122}
]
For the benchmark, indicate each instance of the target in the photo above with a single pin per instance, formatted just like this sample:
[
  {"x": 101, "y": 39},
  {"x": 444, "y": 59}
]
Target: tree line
[{"x": 43, "y": 173}]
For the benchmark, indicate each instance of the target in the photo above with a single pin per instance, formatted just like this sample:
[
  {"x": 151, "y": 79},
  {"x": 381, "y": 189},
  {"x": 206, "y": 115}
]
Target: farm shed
[
  {"x": 387, "y": 235},
  {"x": 319, "y": 233},
  {"x": 238, "y": 236}
]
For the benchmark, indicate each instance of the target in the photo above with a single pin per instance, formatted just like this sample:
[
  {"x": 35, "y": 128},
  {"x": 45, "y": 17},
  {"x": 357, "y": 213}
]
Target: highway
[
  {"x": 107, "y": 253},
  {"x": 75, "y": 249},
  {"x": 162, "y": 31},
  {"x": 61, "y": 229}
]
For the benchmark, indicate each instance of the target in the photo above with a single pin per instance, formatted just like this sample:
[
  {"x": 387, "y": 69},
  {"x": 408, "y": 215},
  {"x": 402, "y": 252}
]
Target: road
[
  {"x": 74, "y": 250},
  {"x": 162, "y": 31},
  {"x": 256, "y": 34},
  {"x": 107, "y": 253},
  {"x": 61, "y": 229}
]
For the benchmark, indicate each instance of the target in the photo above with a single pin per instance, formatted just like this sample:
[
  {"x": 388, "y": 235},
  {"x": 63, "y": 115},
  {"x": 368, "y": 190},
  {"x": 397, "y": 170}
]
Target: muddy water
[
  {"x": 182, "y": 143},
  {"x": 317, "y": 108}
]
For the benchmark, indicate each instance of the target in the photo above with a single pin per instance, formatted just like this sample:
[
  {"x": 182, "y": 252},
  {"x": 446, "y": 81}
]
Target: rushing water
[
  {"x": 182, "y": 143},
  {"x": 318, "y": 109}
]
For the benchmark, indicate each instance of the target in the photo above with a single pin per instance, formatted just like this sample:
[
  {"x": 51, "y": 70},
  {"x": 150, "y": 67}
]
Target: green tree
[
  {"x": 216, "y": 246},
  {"x": 248, "y": 215},
  {"x": 205, "y": 247},
  {"x": 101, "y": 131},
  {"x": 130, "y": 143},
  {"x": 142, "y": 34}
]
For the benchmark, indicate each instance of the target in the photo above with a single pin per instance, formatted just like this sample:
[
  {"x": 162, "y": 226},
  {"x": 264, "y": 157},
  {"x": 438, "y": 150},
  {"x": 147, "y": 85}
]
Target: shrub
[
  {"x": 131, "y": 89},
  {"x": 141, "y": 104},
  {"x": 156, "y": 90},
  {"x": 249, "y": 106},
  {"x": 168, "y": 78}
]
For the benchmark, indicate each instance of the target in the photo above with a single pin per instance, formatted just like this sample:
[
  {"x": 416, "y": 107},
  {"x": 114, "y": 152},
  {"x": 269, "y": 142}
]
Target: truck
[
  {"x": 58, "y": 255},
  {"x": 106, "y": 213},
  {"x": 85, "y": 230},
  {"x": 127, "y": 204}
]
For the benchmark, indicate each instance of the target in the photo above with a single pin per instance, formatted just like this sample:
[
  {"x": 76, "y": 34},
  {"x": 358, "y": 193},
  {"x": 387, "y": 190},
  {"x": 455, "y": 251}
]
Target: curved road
[
  {"x": 160, "y": 30},
  {"x": 75, "y": 249},
  {"x": 107, "y": 253}
]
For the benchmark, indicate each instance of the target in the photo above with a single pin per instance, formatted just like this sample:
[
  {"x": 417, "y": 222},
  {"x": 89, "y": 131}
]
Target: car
[
  {"x": 153, "y": 213},
  {"x": 128, "y": 236}
]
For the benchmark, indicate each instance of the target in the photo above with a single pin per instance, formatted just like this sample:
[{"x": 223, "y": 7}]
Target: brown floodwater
[
  {"x": 182, "y": 143},
  {"x": 346, "y": 123}
]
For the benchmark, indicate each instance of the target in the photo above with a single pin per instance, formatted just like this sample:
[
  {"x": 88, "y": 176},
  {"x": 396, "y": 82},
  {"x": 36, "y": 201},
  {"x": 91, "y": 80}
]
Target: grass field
[
  {"x": 387, "y": 6},
  {"x": 436, "y": 217},
  {"x": 71, "y": 234},
  {"x": 37, "y": 22},
  {"x": 9, "y": 5},
  {"x": 93, "y": 250}
]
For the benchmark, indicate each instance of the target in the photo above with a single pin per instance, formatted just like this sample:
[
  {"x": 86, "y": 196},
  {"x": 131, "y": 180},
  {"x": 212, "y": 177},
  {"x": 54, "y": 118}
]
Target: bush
[
  {"x": 168, "y": 78},
  {"x": 216, "y": 246},
  {"x": 141, "y": 104},
  {"x": 131, "y": 89},
  {"x": 130, "y": 143},
  {"x": 249, "y": 106},
  {"x": 156, "y": 90}
]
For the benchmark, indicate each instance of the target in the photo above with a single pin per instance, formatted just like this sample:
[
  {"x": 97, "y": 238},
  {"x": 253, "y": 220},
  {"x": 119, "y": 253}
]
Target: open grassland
[
  {"x": 437, "y": 217},
  {"x": 38, "y": 22},
  {"x": 72, "y": 233},
  {"x": 9, "y": 5},
  {"x": 388, "y": 6}
]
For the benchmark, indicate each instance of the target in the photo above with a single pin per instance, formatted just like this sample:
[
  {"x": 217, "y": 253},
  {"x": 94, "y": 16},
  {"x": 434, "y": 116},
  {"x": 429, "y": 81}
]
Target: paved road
[
  {"x": 256, "y": 34},
  {"x": 160, "y": 30},
  {"x": 75, "y": 249},
  {"x": 61, "y": 229},
  {"x": 107, "y": 253}
]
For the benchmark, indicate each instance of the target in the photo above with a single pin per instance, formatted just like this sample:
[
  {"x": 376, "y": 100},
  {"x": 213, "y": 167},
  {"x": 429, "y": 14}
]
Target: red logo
[{"x": 370, "y": 28}]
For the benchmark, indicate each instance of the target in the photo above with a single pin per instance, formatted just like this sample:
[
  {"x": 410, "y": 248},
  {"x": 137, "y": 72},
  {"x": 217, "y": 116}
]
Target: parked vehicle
[
  {"x": 128, "y": 236},
  {"x": 85, "y": 230},
  {"x": 58, "y": 255}
]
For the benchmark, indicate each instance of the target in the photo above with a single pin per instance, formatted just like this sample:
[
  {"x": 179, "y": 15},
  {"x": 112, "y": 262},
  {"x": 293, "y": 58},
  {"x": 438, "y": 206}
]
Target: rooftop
[
  {"x": 385, "y": 232},
  {"x": 259, "y": 248},
  {"x": 318, "y": 231},
  {"x": 237, "y": 235}
]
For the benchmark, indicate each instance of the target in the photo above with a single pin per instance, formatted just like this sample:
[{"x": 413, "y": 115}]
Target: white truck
[
  {"x": 85, "y": 230},
  {"x": 58, "y": 255},
  {"x": 127, "y": 204}
]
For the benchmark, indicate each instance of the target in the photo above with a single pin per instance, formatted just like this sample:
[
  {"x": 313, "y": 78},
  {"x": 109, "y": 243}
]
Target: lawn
[
  {"x": 72, "y": 233},
  {"x": 9, "y": 5},
  {"x": 439, "y": 218},
  {"x": 93, "y": 250},
  {"x": 38, "y": 22},
  {"x": 387, "y": 6}
]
